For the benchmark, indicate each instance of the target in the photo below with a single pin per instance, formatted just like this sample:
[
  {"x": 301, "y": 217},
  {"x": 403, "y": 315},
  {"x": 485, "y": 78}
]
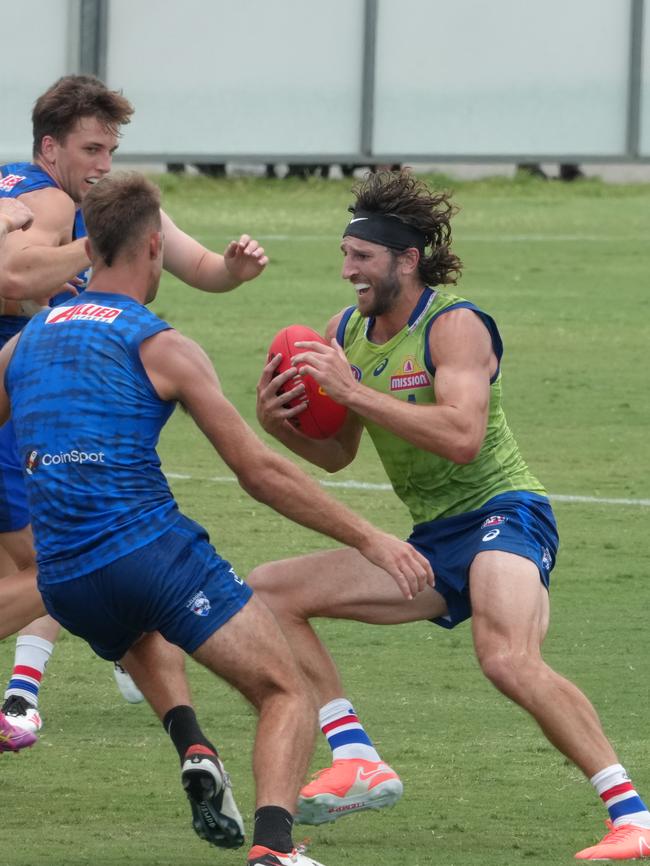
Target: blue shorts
[
  {"x": 517, "y": 522},
  {"x": 14, "y": 513},
  {"x": 177, "y": 585}
]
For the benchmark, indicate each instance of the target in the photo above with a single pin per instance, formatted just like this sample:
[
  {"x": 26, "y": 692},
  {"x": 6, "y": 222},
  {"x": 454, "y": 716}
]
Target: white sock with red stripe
[
  {"x": 32, "y": 656},
  {"x": 619, "y": 796},
  {"x": 345, "y": 733}
]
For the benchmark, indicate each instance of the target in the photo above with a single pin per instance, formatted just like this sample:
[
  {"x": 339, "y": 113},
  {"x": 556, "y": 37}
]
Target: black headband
[{"x": 385, "y": 229}]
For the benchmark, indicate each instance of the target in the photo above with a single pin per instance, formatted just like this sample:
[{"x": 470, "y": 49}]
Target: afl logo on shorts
[
  {"x": 31, "y": 462},
  {"x": 199, "y": 604}
]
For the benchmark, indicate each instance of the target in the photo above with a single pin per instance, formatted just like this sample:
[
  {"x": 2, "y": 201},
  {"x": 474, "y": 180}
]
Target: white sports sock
[
  {"x": 30, "y": 661},
  {"x": 345, "y": 733},
  {"x": 620, "y": 797}
]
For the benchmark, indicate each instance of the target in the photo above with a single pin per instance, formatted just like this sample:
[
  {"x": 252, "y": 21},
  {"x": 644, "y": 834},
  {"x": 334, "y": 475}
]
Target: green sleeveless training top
[{"x": 429, "y": 485}]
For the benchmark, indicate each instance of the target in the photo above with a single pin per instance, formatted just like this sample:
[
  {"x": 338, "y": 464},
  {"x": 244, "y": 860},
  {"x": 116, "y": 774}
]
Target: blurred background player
[
  {"x": 76, "y": 127},
  {"x": 14, "y": 215},
  {"x": 427, "y": 387},
  {"x": 120, "y": 564}
]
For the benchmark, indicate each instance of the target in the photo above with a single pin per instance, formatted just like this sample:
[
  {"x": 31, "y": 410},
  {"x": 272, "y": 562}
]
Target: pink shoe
[
  {"x": 626, "y": 842},
  {"x": 349, "y": 785},
  {"x": 13, "y": 739}
]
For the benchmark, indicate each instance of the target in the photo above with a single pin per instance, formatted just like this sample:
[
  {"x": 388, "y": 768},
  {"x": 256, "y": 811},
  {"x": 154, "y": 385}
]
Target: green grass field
[{"x": 565, "y": 270}]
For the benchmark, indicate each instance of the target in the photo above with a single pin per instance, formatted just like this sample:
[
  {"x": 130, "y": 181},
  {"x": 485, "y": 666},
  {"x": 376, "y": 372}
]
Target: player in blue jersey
[
  {"x": 76, "y": 127},
  {"x": 118, "y": 564},
  {"x": 14, "y": 215}
]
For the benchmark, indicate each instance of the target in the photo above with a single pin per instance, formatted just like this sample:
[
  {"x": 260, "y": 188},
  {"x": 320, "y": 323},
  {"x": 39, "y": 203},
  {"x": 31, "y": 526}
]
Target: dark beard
[{"x": 386, "y": 293}]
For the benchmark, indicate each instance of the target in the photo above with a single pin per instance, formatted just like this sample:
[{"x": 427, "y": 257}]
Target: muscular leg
[
  {"x": 158, "y": 669},
  {"x": 509, "y": 622},
  {"x": 20, "y": 601},
  {"x": 19, "y": 546},
  {"x": 339, "y": 584},
  {"x": 251, "y": 654},
  {"x": 35, "y": 641}
]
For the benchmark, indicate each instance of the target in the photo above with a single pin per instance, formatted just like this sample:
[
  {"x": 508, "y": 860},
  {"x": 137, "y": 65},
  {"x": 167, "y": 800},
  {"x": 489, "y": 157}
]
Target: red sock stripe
[
  {"x": 24, "y": 671},
  {"x": 616, "y": 791},
  {"x": 337, "y": 723}
]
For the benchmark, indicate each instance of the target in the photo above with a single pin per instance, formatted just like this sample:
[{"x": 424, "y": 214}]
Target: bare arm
[
  {"x": 454, "y": 427},
  {"x": 14, "y": 215},
  {"x": 180, "y": 370},
  {"x": 38, "y": 261},
  {"x": 194, "y": 264},
  {"x": 5, "y": 356},
  {"x": 274, "y": 415}
]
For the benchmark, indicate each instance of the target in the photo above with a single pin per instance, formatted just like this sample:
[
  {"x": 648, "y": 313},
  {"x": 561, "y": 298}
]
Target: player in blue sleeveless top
[
  {"x": 76, "y": 125},
  {"x": 118, "y": 563},
  {"x": 14, "y": 215}
]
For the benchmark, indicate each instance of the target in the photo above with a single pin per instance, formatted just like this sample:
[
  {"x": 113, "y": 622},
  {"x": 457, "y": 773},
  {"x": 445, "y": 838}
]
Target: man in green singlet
[{"x": 420, "y": 369}]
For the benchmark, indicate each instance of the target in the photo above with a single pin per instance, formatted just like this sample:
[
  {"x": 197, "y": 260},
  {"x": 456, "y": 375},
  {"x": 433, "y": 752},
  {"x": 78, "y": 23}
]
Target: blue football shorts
[
  {"x": 14, "y": 513},
  {"x": 177, "y": 585},
  {"x": 518, "y": 522}
]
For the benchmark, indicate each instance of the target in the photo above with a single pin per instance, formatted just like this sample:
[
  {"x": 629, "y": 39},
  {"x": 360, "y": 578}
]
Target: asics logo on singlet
[
  {"x": 82, "y": 313},
  {"x": 34, "y": 459}
]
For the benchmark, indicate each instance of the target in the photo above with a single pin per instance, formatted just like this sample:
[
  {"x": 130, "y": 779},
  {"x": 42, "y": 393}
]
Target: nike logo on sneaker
[
  {"x": 363, "y": 776},
  {"x": 644, "y": 847},
  {"x": 358, "y": 220}
]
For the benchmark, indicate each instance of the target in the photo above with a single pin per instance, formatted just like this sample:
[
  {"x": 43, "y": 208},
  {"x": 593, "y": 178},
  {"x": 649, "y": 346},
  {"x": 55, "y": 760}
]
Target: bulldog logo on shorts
[{"x": 199, "y": 604}]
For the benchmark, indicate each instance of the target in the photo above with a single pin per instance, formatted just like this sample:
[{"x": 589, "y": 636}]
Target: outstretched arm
[
  {"x": 194, "y": 264},
  {"x": 180, "y": 370}
]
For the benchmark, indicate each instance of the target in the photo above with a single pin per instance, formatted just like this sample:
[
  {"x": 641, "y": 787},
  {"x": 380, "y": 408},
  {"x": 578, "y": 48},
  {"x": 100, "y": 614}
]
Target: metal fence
[{"x": 347, "y": 81}]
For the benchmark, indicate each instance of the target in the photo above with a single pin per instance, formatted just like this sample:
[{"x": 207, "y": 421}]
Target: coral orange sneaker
[
  {"x": 260, "y": 856},
  {"x": 626, "y": 842},
  {"x": 349, "y": 785}
]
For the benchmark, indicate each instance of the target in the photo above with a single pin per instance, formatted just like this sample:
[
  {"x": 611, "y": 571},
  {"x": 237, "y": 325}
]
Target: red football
[{"x": 323, "y": 417}]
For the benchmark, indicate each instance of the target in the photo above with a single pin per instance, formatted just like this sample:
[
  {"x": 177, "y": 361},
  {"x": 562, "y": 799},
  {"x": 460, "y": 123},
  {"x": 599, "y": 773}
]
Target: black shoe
[
  {"x": 215, "y": 816},
  {"x": 16, "y": 705}
]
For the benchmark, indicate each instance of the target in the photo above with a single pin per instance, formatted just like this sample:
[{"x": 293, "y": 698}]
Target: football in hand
[{"x": 323, "y": 417}]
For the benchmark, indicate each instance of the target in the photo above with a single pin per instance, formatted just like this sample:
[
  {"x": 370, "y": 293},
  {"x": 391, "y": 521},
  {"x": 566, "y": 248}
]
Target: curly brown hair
[
  {"x": 72, "y": 97},
  {"x": 402, "y": 195}
]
